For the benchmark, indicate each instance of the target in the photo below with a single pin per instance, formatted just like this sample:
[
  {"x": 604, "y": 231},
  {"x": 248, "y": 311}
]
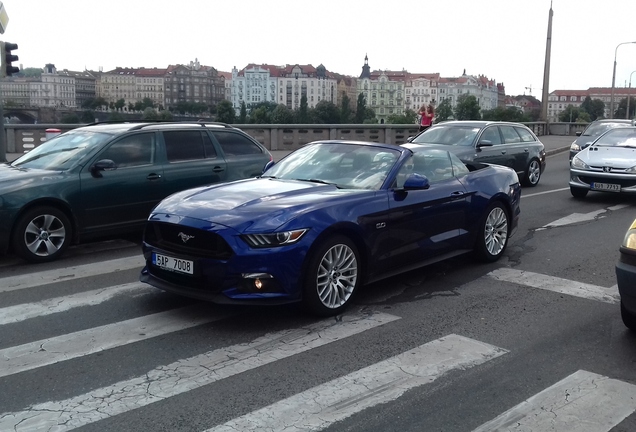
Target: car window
[
  {"x": 596, "y": 129},
  {"x": 525, "y": 134},
  {"x": 434, "y": 164},
  {"x": 235, "y": 144},
  {"x": 448, "y": 135},
  {"x": 618, "y": 137},
  {"x": 510, "y": 135},
  {"x": 131, "y": 150},
  {"x": 491, "y": 134},
  {"x": 459, "y": 167},
  {"x": 185, "y": 145}
]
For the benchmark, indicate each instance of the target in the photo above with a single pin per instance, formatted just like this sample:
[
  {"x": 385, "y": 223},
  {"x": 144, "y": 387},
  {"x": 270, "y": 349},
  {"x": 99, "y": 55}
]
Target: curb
[{"x": 555, "y": 151}]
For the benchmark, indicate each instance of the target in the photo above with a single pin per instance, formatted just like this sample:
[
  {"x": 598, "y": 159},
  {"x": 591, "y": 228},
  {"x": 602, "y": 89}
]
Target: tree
[
  {"x": 70, "y": 119},
  {"x": 148, "y": 103},
  {"x": 326, "y": 112},
  {"x": 88, "y": 116},
  {"x": 594, "y": 107},
  {"x": 150, "y": 114},
  {"x": 444, "y": 111},
  {"x": 409, "y": 117},
  {"x": 243, "y": 113},
  {"x": 574, "y": 114},
  {"x": 369, "y": 116},
  {"x": 303, "y": 112},
  {"x": 115, "y": 116},
  {"x": 120, "y": 104},
  {"x": 165, "y": 115},
  {"x": 131, "y": 107},
  {"x": 282, "y": 115},
  {"x": 467, "y": 108},
  {"x": 361, "y": 106},
  {"x": 345, "y": 109},
  {"x": 30, "y": 72},
  {"x": 511, "y": 114},
  {"x": 225, "y": 112},
  {"x": 622, "y": 108}
]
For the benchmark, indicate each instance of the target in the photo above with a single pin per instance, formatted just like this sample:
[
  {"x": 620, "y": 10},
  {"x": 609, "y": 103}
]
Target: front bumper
[
  {"x": 626, "y": 279},
  {"x": 585, "y": 179}
]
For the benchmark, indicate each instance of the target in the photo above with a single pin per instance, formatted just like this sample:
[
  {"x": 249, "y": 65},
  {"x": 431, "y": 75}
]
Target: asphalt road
[{"x": 531, "y": 342}]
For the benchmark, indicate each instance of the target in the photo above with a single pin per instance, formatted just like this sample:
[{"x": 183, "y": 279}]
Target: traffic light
[{"x": 7, "y": 58}]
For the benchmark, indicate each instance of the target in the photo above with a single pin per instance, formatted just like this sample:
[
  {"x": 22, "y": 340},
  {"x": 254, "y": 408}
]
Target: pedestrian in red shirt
[{"x": 426, "y": 117}]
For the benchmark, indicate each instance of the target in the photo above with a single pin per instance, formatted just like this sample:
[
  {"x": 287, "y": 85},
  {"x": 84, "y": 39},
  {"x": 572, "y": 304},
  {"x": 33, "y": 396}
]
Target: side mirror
[
  {"x": 102, "y": 165},
  {"x": 416, "y": 181},
  {"x": 484, "y": 143},
  {"x": 409, "y": 139},
  {"x": 578, "y": 133}
]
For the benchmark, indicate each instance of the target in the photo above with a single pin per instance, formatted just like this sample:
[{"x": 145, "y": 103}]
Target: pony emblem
[{"x": 185, "y": 237}]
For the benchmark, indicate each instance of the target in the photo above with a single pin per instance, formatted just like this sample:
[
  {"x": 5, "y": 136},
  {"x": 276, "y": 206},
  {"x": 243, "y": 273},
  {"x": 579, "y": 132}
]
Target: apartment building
[
  {"x": 194, "y": 83},
  {"x": 559, "y": 100}
]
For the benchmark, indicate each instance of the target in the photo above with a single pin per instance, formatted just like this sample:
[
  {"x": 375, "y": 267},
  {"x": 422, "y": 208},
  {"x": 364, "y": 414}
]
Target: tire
[
  {"x": 628, "y": 319},
  {"x": 533, "y": 173},
  {"x": 492, "y": 237},
  {"x": 42, "y": 234},
  {"x": 578, "y": 192},
  {"x": 333, "y": 276}
]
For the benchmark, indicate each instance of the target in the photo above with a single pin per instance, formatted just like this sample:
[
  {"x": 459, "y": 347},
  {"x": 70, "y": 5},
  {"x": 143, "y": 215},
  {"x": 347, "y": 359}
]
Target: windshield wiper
[{"x": 319, "y": 181}]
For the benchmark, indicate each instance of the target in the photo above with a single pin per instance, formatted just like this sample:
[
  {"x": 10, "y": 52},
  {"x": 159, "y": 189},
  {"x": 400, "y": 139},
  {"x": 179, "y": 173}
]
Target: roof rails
[{"x": 201, "y": 123}]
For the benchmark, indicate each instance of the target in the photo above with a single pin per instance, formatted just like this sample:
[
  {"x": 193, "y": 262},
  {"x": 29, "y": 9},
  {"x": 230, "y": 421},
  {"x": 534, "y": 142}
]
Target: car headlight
[
  {"x": 575, "y": 147},
  {"x": 578, "y": 163},
  {"x": 629, "y": 241},
  {"x": 273, "y": 239},
  {"x": 631, "y": 170}
]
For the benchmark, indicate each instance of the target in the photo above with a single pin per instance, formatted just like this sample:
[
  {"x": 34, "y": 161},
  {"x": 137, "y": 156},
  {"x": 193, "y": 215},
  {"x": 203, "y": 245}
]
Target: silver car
[{"x": 607, "y": 165}]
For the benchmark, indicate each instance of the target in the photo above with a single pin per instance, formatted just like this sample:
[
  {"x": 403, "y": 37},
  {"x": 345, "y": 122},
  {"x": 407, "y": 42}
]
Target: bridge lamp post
[
  {"x": 614, "y": 77},
  {"x": 629, "y": 94}
]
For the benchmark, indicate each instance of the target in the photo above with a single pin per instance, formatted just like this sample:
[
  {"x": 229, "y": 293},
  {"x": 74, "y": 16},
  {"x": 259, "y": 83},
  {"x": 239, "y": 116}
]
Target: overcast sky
[{"x": 502, "y": 39}]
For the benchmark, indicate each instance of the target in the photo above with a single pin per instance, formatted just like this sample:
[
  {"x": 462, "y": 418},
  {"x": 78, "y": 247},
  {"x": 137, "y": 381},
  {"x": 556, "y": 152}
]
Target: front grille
[
  {"x": 198, "y": 243},
  {"x": 623, "y": 182}
]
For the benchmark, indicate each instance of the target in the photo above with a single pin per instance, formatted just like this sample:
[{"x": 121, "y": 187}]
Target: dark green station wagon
[{"x": 102, "y": 180}]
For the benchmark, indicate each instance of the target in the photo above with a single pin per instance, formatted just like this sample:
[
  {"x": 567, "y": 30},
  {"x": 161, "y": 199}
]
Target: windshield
[
  {"x": 63, "y": 151},
  {"x": 618, "y": 137},
  {"x": 448, "y": 135},
  {"x": 595, "y": 130},
  {"x": 351, "y": 166}
]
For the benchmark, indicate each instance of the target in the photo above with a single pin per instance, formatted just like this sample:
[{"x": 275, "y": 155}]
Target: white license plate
[
  {"x": 173, "y": 264},
  {"x": 608, "y": 187}
]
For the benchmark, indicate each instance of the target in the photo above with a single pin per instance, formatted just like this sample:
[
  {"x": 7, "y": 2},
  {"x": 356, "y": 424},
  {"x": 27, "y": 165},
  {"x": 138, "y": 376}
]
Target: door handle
[
  {"x": 153, "y": 176},
  {"x": 503, "y": 152},
  {"x": 457, "y": 194},
  {"x": 217, "y": 169}
]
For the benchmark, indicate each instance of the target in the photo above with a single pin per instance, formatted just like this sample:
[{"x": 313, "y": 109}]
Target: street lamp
[
  {"x": 629, "y": 94},
  {"x": 614, "y": 77}
]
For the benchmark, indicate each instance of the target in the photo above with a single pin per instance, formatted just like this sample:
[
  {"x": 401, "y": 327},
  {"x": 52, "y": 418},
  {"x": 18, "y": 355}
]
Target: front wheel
[
  {"x": 533, "y": 173},
  {"x": 578, "y": 192},
  {"x": 42, "y": 234},
  {"x": 492, "y": 237},
  {"x": 333, "y": 276},
  {"x": 628, "y": 319}
]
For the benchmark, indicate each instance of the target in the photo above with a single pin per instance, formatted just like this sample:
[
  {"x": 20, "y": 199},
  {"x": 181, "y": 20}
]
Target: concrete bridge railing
[{"x": 25, "y": 137}]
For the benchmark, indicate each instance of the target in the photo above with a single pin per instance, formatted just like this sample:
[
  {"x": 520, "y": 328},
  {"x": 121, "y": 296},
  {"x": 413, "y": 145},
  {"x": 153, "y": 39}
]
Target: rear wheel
[
  {"x": 628, "y": 319},
  {"x": 42, "y": 234},
  {"x": 533, "y": 173},
  {"x": 578, "y": 192},
  {"x": 332, "y": 276},
  {"x": 492, "y": 238}
]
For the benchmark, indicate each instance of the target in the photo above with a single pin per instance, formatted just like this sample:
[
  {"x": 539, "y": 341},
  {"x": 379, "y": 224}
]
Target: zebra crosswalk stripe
[
  {"x": 582, "y": 402},
  {"x": 318, "y": 408},
  {"x": 32, "y": 280},
  {"x": 185, "y": 375}
]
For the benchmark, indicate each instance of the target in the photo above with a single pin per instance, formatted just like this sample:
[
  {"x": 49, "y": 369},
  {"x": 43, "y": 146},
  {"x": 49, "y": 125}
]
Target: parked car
[
  {"x": 607, "y": 165},
  {"x": 593, "y": 131},
  {"x": 103, "y": 180},
  {"x": 510, "y": 144},
  {"x": 326, "y": 219},
  {"x": 626, "y": 277}
]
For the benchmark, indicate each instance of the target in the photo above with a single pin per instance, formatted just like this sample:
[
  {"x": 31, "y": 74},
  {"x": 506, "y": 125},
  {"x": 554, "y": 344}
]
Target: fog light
[{"x": 258, "y": 284}]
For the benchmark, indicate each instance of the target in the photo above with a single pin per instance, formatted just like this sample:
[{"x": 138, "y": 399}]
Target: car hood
[
  {"x": 11, "y": 177},
  {"x": 254, "y": 204},
  {"x": 617, "y": 157}
]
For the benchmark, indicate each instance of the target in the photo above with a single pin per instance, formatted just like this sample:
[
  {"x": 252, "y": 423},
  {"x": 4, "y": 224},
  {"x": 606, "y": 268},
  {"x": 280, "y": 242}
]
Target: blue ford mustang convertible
[{"x": 324, "y": 221}]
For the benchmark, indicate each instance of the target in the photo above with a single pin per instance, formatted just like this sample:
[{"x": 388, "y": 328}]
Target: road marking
[
  {"x": 82, "y": 343},
  {"x": 582, "y": 217},
  {"x": 23, "y": 312},
  {"x": 563, "y": 286},
  {"x": 543, "y": 193},
  {"x": 185, "y": 375},
  {"x": 582, "y": 402},
  {"x": 320, "y": 407},
  {"x": 31, "y": 280}
]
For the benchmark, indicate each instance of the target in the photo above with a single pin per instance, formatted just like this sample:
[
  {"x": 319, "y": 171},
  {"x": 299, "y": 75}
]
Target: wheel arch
[{"x": 48, "y": 202}]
